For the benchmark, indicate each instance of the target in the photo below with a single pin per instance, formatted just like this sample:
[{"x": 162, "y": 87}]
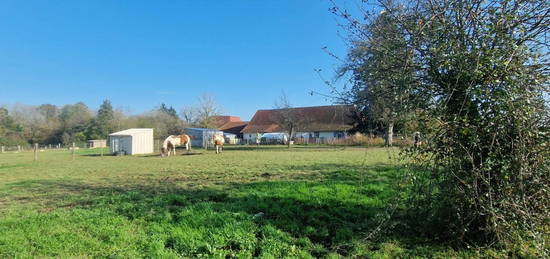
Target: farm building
[
  {"x": 317, "y": 123},
  {"x": 229, "y": 124},
  {"x": 230, "y": 138},
  {"x": 201, "y": 137},
  {"x": 97, "y": 143},
  {"x": 131, "y": 142}
]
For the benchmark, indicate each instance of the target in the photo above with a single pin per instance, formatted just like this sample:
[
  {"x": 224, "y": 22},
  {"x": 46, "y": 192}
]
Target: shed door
[
  {"x": 126, "y": 145},
  {"x": 115, "y": 145}
]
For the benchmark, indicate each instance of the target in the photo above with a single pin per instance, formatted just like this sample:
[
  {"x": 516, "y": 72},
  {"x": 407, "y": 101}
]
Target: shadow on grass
[
  {"x": 96, "y": 155},
  {"x": 321, "y": 215},
  {"x": 180, "y": 153},
  {"x": 282, "y": 148},
  {"x": 353, "y": 174}
]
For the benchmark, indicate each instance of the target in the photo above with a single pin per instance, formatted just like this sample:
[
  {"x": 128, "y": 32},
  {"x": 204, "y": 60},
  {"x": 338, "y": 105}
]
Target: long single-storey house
[{"x": 317, "y": 122}]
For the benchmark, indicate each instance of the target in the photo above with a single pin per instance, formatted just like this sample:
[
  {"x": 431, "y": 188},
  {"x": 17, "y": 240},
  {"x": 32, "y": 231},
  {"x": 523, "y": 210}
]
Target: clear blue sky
[{"x": 139, "y": 54}]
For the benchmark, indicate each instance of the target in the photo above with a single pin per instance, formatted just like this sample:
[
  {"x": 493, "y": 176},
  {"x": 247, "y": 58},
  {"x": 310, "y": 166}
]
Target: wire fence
[
  {"x": 354, "y": 140},
  {"x": 40, "y": 147}
]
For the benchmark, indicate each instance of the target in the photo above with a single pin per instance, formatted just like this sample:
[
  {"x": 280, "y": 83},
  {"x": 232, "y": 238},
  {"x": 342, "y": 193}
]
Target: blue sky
[{"x": 139, "y": 54}]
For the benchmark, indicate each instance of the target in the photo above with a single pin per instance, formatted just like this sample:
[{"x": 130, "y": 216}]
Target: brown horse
[
  {"x": 218, "y": 142},
  {"x": 171, "y": 142}
]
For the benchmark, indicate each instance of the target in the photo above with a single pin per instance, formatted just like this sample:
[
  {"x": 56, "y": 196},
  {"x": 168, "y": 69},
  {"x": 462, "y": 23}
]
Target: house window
[
  {"x": 338, "y": 134},
  {"x": 316, "y": 134}
]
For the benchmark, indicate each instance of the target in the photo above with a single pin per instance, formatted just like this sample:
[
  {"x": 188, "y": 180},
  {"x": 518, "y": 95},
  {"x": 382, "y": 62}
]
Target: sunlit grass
[{"x": 268, "y": 202}]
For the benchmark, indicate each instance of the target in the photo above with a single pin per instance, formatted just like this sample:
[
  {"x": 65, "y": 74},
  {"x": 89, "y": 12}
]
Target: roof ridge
[{"x": 334, "y": 105}]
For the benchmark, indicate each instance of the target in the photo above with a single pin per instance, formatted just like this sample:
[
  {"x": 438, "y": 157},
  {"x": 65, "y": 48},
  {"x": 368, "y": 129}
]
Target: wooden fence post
[
  {"x": 35, "y": 151},
  {"x": 18, "y": 148},
  {"x": 2, "y": 149},
  {"x": 73, "y": 150}
]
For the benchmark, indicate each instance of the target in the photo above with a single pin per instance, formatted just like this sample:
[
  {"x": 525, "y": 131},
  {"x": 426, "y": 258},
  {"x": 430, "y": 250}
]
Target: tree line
[{"x": 23, "y": 124}]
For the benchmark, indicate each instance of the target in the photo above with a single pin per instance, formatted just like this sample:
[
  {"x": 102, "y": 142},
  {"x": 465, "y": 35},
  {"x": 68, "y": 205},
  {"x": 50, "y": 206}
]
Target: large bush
[{"x": 482, "y": 174}]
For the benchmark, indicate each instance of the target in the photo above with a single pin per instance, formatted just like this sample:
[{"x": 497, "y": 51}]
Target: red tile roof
[
  {"x": 317, "y": 118},
  {"x": 229, "y": 124},
  {"x": 219, "y": 121}
]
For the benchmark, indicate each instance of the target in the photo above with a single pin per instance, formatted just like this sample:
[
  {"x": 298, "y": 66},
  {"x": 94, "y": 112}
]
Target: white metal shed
[{"x": 131, "y": 142}]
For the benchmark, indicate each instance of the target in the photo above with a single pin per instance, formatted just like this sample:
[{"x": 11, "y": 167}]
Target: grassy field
[{"x": 248, "y": 202}]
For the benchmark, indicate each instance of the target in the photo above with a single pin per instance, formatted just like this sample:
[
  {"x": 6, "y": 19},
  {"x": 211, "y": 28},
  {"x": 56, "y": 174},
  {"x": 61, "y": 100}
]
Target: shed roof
[
  {"x": 315, "y": 118},
  {"x": 130, "y": 132}
]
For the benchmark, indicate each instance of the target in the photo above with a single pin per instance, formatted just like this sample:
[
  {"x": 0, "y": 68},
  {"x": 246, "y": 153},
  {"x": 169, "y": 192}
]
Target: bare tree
[
  {"x": 190, "y": 115},
  {"x": 207, "y": 108},
  {"x": 286, "y": 117}
]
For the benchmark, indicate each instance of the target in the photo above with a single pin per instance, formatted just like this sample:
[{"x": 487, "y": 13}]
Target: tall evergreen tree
[{"x": 102, "y": 124}]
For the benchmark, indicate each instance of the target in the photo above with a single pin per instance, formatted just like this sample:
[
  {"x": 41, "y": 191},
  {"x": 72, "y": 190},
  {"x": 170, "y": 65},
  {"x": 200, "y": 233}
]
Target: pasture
[{"x": 265, "y": 202}]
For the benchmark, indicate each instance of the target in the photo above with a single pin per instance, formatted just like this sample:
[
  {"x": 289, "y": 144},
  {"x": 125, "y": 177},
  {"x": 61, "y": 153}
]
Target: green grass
[{"x": 267, "y": 202}]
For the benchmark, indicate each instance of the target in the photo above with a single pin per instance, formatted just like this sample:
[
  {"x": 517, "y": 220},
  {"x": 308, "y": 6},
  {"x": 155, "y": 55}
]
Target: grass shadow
[
  {"x": 281, "y": 148},
  {"x": 321, "y": 215},
  {"x": 96, "y": 155}
]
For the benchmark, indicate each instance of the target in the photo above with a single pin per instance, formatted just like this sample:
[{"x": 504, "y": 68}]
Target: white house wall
[
  {"x": 305, "y": 135},
  {"x": 249, "y": 136}
]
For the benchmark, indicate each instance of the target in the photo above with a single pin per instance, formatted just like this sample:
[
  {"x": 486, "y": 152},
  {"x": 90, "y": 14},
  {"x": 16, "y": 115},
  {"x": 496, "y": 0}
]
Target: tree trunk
[
  {"x": 389, "y": 135},
  {"x": 290, "y": 132}
]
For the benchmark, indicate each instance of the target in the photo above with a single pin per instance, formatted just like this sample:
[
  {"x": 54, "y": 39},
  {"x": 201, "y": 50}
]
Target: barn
[
  {"x": 131, "y": 142},
  {"x": 200, "y": 137}
]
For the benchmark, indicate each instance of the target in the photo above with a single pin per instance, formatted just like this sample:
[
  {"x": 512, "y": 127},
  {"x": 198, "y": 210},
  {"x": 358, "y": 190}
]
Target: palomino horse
[
  {"x": 218, "y": 141},
  {"x": 171, "y": 142}
]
